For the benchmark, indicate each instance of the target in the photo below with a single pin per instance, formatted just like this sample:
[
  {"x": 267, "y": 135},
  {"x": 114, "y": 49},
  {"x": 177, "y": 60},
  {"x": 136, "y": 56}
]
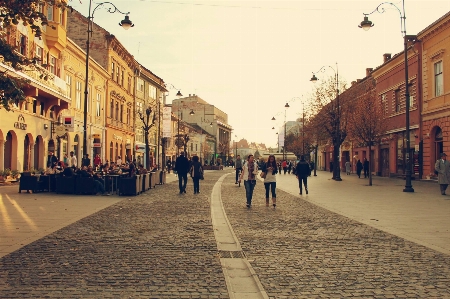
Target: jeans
[
  {"x": 366, "y": 173},
  {"x": 443, "y": 187},
  {"x": 238, "y": 170},
  {"x": 249, "y": 186},
  {"x": 182, "y": 181},
  {"x": 272, "y": 186},
  {"x": 196, "y": 184},
  {"x": 305, "y": 182}
]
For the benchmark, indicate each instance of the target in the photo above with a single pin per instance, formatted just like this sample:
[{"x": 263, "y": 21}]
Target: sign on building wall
[
  {"x": 167, "y": 121},
  {"x": 281, "y": 139}
]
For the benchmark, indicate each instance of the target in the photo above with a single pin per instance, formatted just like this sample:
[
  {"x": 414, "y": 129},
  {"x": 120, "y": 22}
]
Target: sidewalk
[
  {"x": 27, "y": 217},
  {"x": 422, "y": 217}
]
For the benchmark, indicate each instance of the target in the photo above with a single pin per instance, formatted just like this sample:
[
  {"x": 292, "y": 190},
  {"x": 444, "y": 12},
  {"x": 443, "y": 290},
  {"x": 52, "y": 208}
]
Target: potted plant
[
  {"x": 6, "y": 173},
  {"x": 15, "y": 174}
]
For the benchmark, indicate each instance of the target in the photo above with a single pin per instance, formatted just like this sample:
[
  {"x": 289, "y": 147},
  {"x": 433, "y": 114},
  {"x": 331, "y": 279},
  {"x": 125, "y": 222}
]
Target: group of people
[
  {"x": 183, "y": 167},
  {"x": 248, "y": 170},
  {"x": 359, "y": 167}
]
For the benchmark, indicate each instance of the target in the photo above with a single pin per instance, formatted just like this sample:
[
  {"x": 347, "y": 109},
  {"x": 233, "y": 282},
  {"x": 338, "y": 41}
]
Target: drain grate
[{"x": 231, "y": 254}]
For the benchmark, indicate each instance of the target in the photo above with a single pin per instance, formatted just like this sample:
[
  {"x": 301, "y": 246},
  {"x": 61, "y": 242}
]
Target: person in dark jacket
[
  {"x": 182, "y": 167},
  {"x": 359, "y": 167},
  {"x": 366, "y": 168},
  {"x": 196, "y": 172},
  {"x": 302, "y": 172}
]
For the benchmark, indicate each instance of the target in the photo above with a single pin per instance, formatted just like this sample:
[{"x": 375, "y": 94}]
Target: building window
[
  {"x": 438, "y": 79},
  {"x": 139, "y": 108},
  {"x": 98, "y": 104},
  {"x": 42, "y": 108},
  {"x": 111, "y": 109},
  {"x": 34, "y": 106},
  {"x": 384, "y": 104},
  {"x": 128, "y": 115},
  {"x": 78, "y": 95},
  {"x": 117, "y": 111},
  {"x": 129, "y": 83},
  {"x": 39, "y": 52},
  {"x": 50, "y": 13},
  {"x": 112, "y": 70},
  {"x": 22, "y": 44},
  {"x": 192, "y": 147},
  {"x": 411, "y": 101},
  {"x": 52, "y": 112},
  {"x": 52, "y": 64},
  {"x": 140, "y": 84},
  {"x": 152, "y": 92},
  {"x": 121, "y": 113},
  {"x": 117, "y": 74},
  {"x": 397, "y": 100},
  {"x": 61, "y": 17},
  {"x": 122, "y": 79},
  {"x": 69, "y": 86}
]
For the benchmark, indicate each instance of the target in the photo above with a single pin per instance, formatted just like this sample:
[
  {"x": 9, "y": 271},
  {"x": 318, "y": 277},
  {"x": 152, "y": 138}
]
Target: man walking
[
  {"x": 302, "y": 171},
  {"x": 182, "y": 168},
  {"x": 238, "y": 166},
  {"x": 366, "y": 168},
  {"x": 442, "y": 167}
]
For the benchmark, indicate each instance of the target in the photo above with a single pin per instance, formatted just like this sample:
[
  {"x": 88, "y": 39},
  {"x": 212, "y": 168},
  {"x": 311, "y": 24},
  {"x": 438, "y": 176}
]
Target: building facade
[
  {"x": 435, "y": 63},
  {"x": 27, "y": 131}
]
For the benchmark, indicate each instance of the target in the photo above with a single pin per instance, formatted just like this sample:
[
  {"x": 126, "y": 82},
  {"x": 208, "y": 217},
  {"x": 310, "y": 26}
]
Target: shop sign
[
  {"x": 140, "y": 148},
  {"x": 97, "y": 140},
  {"x": 20, "y": 123}
]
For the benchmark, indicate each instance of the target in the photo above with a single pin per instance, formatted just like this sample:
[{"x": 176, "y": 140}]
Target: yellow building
[
  {"x": 74, "y": 68},
  {"x": 121, "y": 67},
  {"x": 435, "y": 41},
  {"x": 149, "y": 94},
  {"x": 27, "y": 132}
]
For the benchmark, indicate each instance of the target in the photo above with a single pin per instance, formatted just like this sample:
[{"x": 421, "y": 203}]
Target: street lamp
[
  {"x": 336, "y": 123},
  {"x": 185, "y": 136},
  {"x": 366, "y": 25},
  {"x": 125, "y": 24},
  {"x": 284, "y": 137}
]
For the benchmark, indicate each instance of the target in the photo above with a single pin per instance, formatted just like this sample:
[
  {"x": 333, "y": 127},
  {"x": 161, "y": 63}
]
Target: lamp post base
[
  {"x": 408, "y": 189},
  {"x": 337, "y": 179}
]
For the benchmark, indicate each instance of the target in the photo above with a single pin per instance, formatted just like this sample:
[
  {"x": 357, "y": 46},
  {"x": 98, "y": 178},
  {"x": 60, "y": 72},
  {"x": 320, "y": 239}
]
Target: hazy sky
[{"x": 249, "y": 58}]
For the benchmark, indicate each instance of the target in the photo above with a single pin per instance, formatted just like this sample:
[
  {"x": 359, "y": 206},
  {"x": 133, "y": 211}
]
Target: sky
[{"x": 249, "y": 58}]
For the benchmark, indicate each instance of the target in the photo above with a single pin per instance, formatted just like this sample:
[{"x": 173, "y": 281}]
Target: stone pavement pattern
[
  {"x": 157, "y": 245},
  {"x": 300, "y": 250}
]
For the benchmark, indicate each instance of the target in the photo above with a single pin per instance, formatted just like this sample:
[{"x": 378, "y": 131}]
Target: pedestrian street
[{"x": 163, "y": 244}]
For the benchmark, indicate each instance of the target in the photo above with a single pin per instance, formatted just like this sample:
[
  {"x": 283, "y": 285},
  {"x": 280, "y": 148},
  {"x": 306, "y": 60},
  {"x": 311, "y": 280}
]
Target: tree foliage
[
  {"x": 367, "y": 123},
  {"x": 12, "y": 12}
]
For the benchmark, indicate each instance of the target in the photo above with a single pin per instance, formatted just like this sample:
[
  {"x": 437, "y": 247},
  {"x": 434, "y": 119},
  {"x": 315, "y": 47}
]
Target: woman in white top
[
  {"x": 270, "y": 181},
  {"x": 249, "y": 172}
]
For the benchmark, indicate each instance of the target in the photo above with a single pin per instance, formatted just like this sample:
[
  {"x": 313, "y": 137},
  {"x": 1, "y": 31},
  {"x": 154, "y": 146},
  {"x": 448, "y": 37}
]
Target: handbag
[{"x": 263, "y": 175}]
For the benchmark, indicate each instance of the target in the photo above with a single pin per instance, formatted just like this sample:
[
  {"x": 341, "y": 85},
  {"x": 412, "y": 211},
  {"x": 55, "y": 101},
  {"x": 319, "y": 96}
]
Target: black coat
[
  {"x": 182, "y": 165},
  {"x": 196, "y": 170},
  {"x": 302, "y": 170}
]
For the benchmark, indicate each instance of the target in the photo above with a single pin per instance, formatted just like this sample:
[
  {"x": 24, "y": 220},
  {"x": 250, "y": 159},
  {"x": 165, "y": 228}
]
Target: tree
[
  {"x": 12, "y": 12},
  {"x": 332, "y": 115},
  {"x": 368, "y": 121}
]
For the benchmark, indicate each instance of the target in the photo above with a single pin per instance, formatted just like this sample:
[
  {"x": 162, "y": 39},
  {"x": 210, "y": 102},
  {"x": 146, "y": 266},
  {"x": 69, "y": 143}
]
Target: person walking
[
  {"x": 302, "y": 172},
  {"x": 73, "y": 160},
  {"x": 284, "y": 165},
  {"x": 182, "y": 167},
  {"x": 238, "y": 167},
  {"x": 359, "y": 167},
  {"x": 348, "y": 167},
  {"x": 248, "y": 174},
  {"x": 366, "y": 168},
  {"x": 196, "y": 172},
  {"x": 270, "y": 181},
  {"x": 442, "y": 167},
  {"x": 168, "y": 165},
  {"x": 289, "y": 167}
]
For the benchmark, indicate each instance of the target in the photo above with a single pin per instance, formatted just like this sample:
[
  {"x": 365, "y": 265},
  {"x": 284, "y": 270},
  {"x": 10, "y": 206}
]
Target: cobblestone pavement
[
  {"x": 157, "y": 245},
  {"x": 300, "y": 250}
]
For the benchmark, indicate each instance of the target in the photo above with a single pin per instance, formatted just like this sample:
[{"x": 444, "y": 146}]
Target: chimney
[
  {"x": 353, "y": 83},
  {"x": 368, "y": 71},
  {"x": 386, "y": 57},
  {"x": 189, "y": 95}
]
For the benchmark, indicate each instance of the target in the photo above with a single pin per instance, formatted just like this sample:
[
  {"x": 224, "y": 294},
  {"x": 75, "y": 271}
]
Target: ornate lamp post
[
  {"x": 284, "y": 137},
  {"x": 366, "y": 25},
  {"x": 126, "y": 24},
  {"x": 336, "y": 123}
]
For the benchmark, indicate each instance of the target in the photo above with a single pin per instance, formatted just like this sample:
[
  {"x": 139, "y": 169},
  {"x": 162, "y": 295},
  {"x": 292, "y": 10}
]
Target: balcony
[
  {"x": 114, "y": 123},
  {"x": 56, "y": 36}
]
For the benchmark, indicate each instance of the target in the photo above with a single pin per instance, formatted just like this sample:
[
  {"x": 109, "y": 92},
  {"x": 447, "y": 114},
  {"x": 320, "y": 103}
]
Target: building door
[
  {"x": 26, "y": 153},
  {"x": 384, "y": 162}
]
